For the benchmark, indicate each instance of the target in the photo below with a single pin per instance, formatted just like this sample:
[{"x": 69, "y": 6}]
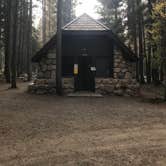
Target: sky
[
  {"x": 37, "y": 13},
  {"x": 85, "y": 6}
]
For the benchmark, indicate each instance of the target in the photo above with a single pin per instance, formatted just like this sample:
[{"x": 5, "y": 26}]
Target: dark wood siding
[{"x": 100, "y": 48}]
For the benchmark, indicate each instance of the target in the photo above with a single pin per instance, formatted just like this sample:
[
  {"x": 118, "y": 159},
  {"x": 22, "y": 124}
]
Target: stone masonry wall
[
  {"x": 123, "y": 69},
  {"x": 45, "y": 83},
  {"x": 123, "y": 83},
  {"x": 47, "y": 66}
]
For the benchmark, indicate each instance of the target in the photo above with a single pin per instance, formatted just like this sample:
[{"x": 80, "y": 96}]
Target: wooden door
[{"x": 85, "y": 78}]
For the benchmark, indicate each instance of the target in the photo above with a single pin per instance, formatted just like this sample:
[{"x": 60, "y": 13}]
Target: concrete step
[{"x": 84, "y": 94}]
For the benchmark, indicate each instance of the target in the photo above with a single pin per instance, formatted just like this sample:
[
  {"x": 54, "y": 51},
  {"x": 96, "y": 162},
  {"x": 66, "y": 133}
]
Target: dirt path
[{"x": 50, "y": 130}]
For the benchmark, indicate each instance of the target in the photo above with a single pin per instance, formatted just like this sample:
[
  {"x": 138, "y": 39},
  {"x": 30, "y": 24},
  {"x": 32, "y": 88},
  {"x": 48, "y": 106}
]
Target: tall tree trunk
[
  {"x": 44, "y": 21},
  {"x": 13, "y": 29},
  {"x": 49, "y": 18},
  {"x": 149, "y": 47},
  {"x": 22, "y": 42},
  {"x": 140, "y": 36},
  {"x": 29, "y": 68},
  {"x": 59, "y": 49},
  {"x": 19, "y": 45},
  {"x": 25, "y": 41},
  {"x": 163, "y": 52},
  {"x": 148, "y": 68},
  {"x": 144, "y": 45},
  {"x": 132, "y": 26},
  {"x": 7, "y": 41}
]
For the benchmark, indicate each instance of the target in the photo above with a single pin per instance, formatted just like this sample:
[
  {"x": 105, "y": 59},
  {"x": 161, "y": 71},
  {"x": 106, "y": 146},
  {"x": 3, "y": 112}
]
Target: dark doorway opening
[{"x": 85, "y": 81}]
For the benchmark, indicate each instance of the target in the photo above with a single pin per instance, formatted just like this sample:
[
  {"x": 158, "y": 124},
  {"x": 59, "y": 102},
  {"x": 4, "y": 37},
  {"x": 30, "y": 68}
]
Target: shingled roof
[{"x": 85, "y": 23}]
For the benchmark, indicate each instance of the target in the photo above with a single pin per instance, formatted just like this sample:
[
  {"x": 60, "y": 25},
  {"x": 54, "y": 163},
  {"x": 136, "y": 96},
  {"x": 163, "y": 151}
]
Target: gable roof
[{"x": 85, "y": 23}]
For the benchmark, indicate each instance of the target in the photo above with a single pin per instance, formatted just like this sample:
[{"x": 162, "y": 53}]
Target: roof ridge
[{"x": 85, "y": 14}]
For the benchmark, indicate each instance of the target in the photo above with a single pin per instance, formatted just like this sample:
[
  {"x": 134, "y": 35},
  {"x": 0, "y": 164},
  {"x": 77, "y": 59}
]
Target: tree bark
[
  {"x": 140, "y": 37},
  {"x": 149, "y": 47},
  {"x": 44, "y": 21},
  {"x": 14, "y": 15},
  {"x": 29, "y": 68},
  {"x": 7, "y": 41},
  {"x": 59, "y": 49}
]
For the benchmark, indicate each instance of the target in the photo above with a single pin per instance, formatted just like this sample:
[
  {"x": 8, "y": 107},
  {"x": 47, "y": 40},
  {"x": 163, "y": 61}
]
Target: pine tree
[
  {"x": 159, "y": 34},
  {"x": 112, "y": 15},
  {"x": 59, "y": 48},
  {"x": 13, "y": 38},
  {"x": 29, "y": 46}
]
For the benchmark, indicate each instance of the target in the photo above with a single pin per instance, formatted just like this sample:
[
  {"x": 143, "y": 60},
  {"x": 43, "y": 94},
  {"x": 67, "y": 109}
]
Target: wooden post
[{"x": 59, "y": 49}]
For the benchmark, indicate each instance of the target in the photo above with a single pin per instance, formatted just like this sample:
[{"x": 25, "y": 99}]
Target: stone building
[{"x": 93, "y": 59}]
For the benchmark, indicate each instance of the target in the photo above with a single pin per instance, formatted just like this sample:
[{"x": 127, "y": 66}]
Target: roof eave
[{"x": 44, "y": 50}]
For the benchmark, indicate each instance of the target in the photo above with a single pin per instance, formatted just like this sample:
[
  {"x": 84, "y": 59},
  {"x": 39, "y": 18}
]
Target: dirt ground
[{"x": 110, "y": 131}]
